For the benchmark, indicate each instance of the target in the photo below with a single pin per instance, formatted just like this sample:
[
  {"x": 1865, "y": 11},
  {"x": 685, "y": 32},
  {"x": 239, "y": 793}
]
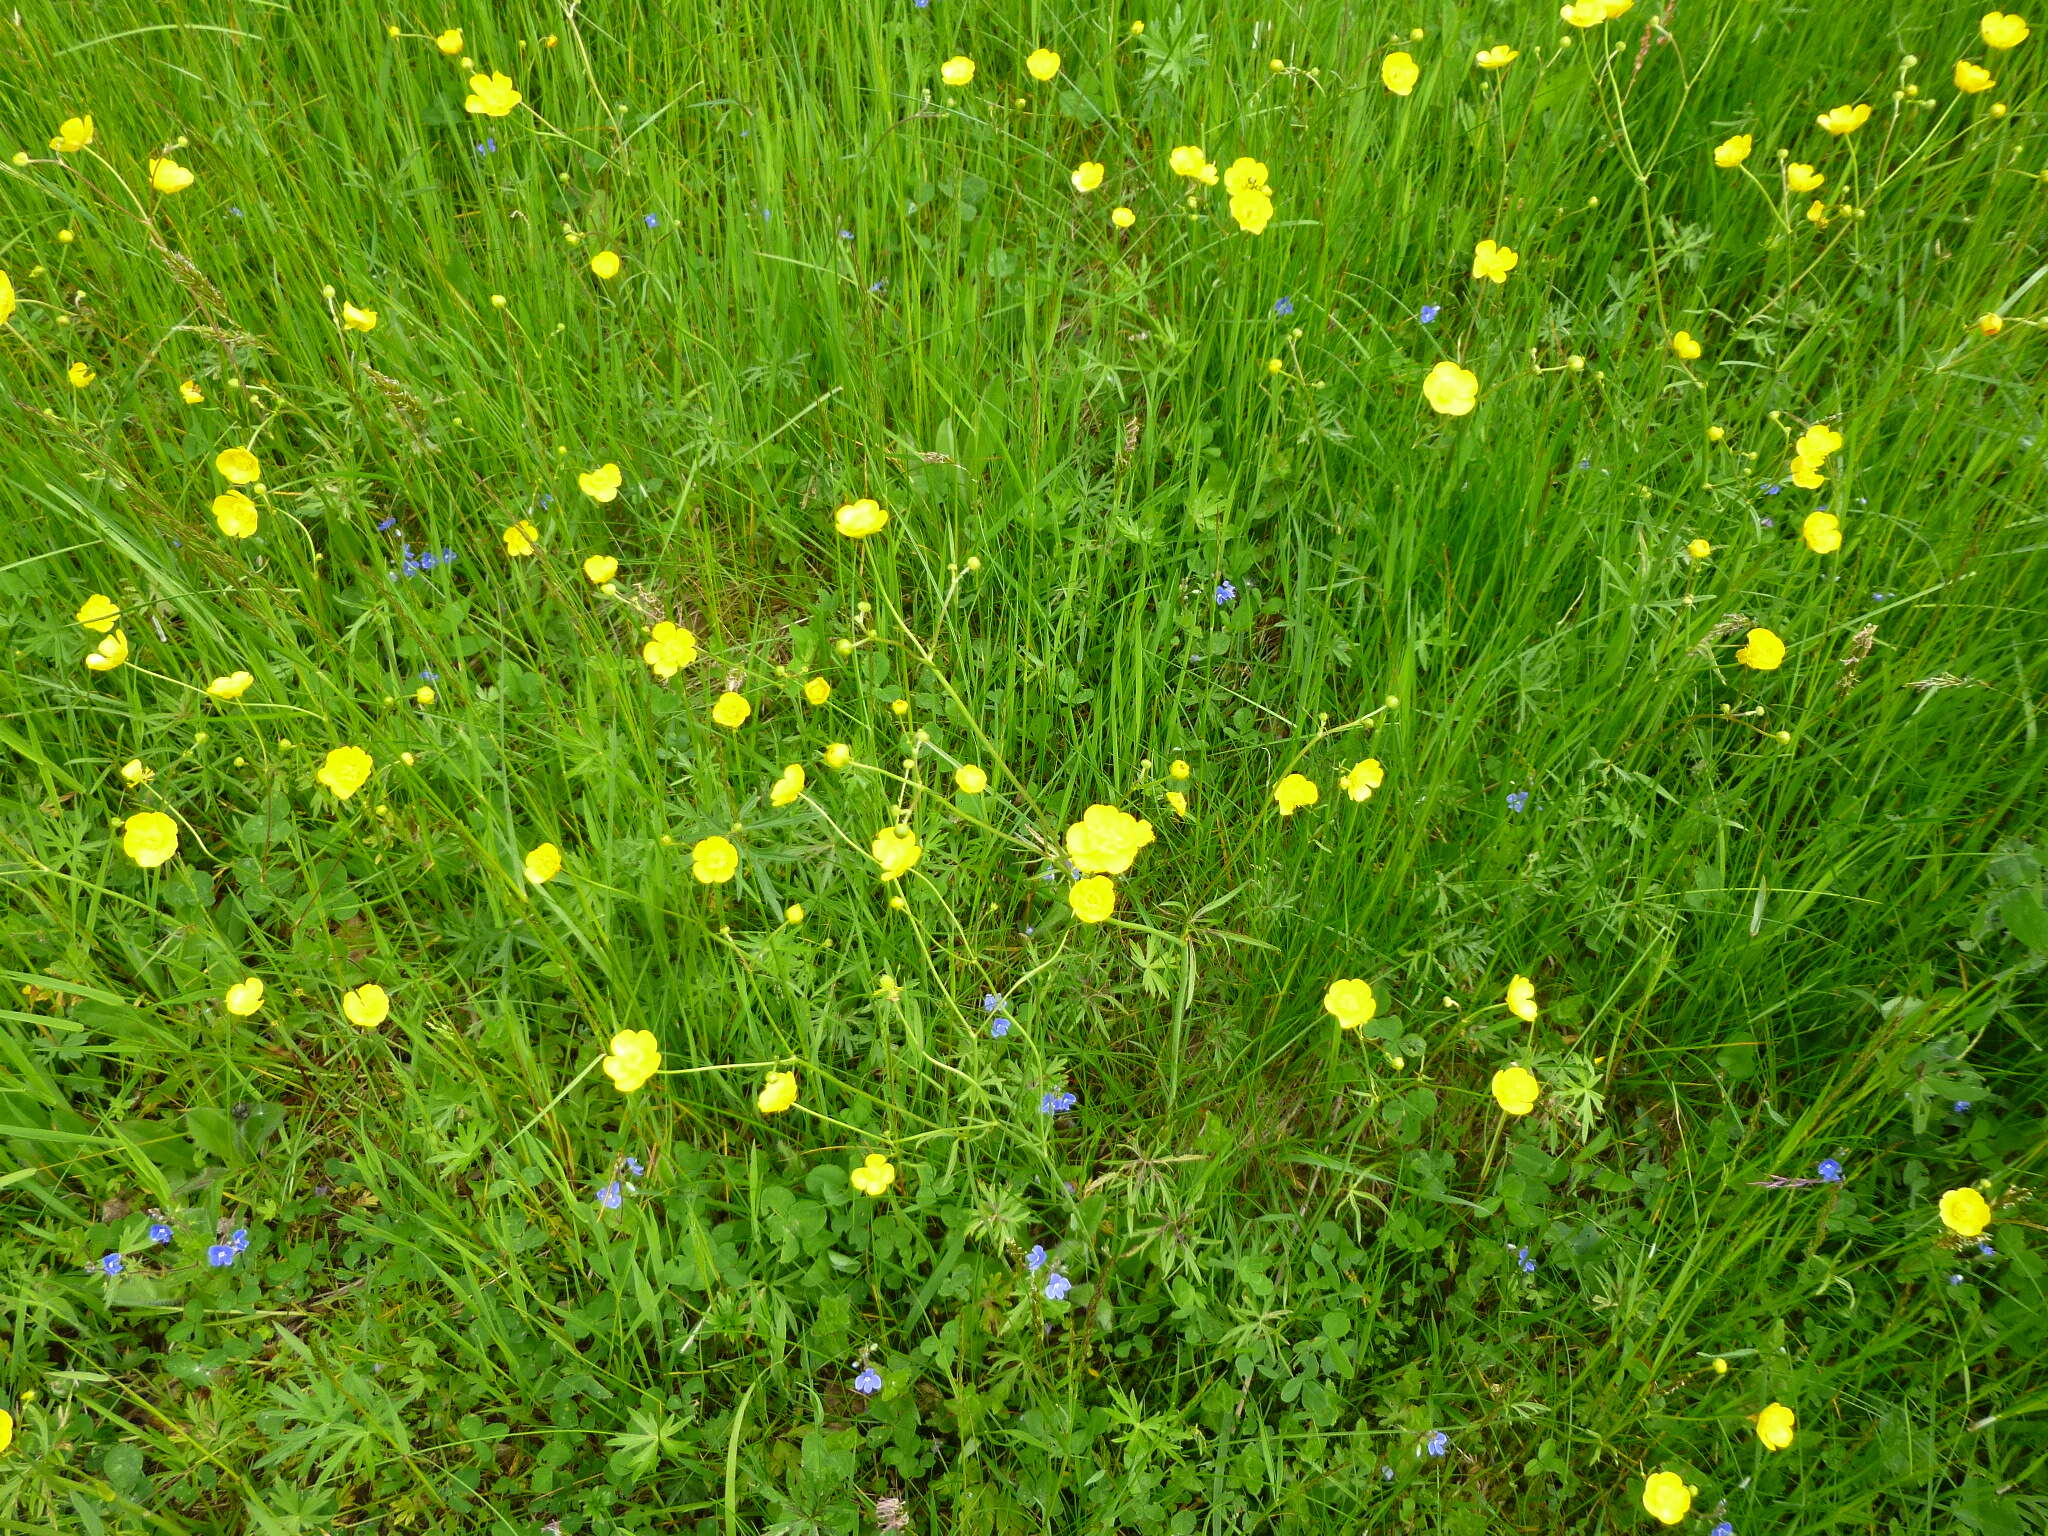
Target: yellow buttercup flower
[
  {"x": 817, "y": 691},
  {"x": 858, "y": 519},
  {"x": 786, "y": 789},
  {"x": 1179, "y": 769},
  {"x": 1179, "y": 802},
  {"x": 149, "y": 838},
  {"x": 1122, "y": 218},
  {"x": 74, "y": 133},
  {"x": 669, "y": 650},
  {"x": 1087, "y": 176},
  {"x": 450, "y": 42},
  {"x": 1362, "y": 778},
  {"x": 1668, "y": 1496},
  {"x": 1522, "y": 999},
  {"x": 605, "y": 264},
  {"x": 1585, "y": 13},
  {"x": 714, "y": 860},
  {"x": 111, "y": 652},
  {"x": 1093, "y": 899},
  {"x": 1762, "y": 650},
  {"x": 1972, "y": 78},
  {"x": 1451, "y": 390},
  {"x": 1801, "y": 177},
  {"x": 346, "y": 770},
  {"x": 169, "y": 177},
  {"x": 1699, "y": 549},
  {"x": 6, "y": 1429},
  {"x": 233, "y": 686},
  {"x": 1500, "y": 56},
  {"x": 1495, "y": 262},
  {"x": 1253, "y": 210},
  {"x": 1817, "y": 214},
  {"x": 491, "y": 95},
  {"x": 1516, "y": 1090},
  {"x": 7, "y": 301},
  {"x": 366, "y": 1006},
  {"x": 244, "y": 997},
  {"x": 1822, "y": 532},
  {"x": 1963, "y": 1211},
  {"x": 1990, "y": 323},
  {"x": 957, "y": 71},
  {"x": 1106, "y": 840},
  {"x": 1683, "y": 345},
  {"x": 793, "y": 914},
  {"x": 1398, "y": 73},
  {"x": 1043, "y": 64},
  {"x": 1775, "y": 1426},
  {"x": 191, "y": 393},
  {"x": 355, "y": 318},
  {"x": 238, "y": 466},
  {"x": 521, "y": 539},
  {"x": 1245, "y": 175},
  {"x": 970, "y": 779},
  {"x": 80, "y": 375},
  {"x": 836, "y": 755},
  {"x": 634, "y": 1057},
  {"x": 1350, "y": 1002},
  {"x": 1616, "y": 7},
  {"x": 1731, "y": 152},
  {"x": 873, "y": 1177},
  {"x": 1841, "y": 120},
  {"x": 1189, "y": 161},
  {"x": 235, "y": 514},
  {"x": 135, "y": 773},
  {"x": 1999, "y": 29},
  {"x": 777, "y": 1094},
  {"x": 897, "y": 850},
  {"x": 600, "y": 484},
  {"x": 600, "y": 569},
  {"x": 542, "y": 864},
  {"x": 1818, "y": 441},
  {"x": 731, "y": 710},
  {"x": 98, "y": 613}
]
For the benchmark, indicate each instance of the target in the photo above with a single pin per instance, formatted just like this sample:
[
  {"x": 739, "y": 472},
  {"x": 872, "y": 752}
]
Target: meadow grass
[{"x": 1170, "y": 492}]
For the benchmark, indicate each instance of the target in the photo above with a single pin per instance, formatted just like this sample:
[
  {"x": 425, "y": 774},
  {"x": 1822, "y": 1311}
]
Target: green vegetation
[{"x": 1157, "y": 493}]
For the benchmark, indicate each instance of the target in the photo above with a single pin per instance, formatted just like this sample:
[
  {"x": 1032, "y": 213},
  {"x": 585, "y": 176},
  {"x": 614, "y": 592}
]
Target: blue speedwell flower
[
  {"x": 1000, "y": 1027},
  {"x": 868, "y": 1382},
  {"x": 1518, "y": 800},
  {"x": 1225, "y": 593},
  {"x": 1723, "y": 1529},
  {"x": 1283, "y": 307},
  {"x": 1056, "y": 1286},
  {"x": 1428, "y": 314},
  {"x": 1830, "y": 1171},
  {"x": 110, "y": 1263},
  {"x": 221, "y": 1255},
  {"x": 159, "y": 1231},
  {"x": 609, "y": 1196},
  {"x": 1438, "y": 1444},
  {"x": 1056, "y": 1103},
  {"x": 1035, "y": 1259}
]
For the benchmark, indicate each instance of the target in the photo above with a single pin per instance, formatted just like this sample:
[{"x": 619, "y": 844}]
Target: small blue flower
[
  {"x": 1438, "y": 1444},
  {"x": 634, "y": 1167},
  {"x": 1882, "y": 597},
  {"x": 1830, "y": 1171},
  {"x": 1528, "y": 1265},
  {"x": 1518, "y": 799},
  {"x": 651, "y": 222},
  {"x": 429, "y": 676},
  {"x": 1056, "y": 1286},
  {"x": 1283, "y": 307},
  {"x": 1767, "y": 522},
  {"x": 1225, "y": 593},
  {"x": 239, "y": 1240},
  {"x": 1962, "y": 1106},
  {"x": 1723, "y": 1529},
  {"x": 1056, "y": 1103},
  {"x": 1987, "y": 1250},
  {"x": 1387, "y": 1474},
  {"x": 1774, "y": 490},
  {"x": 1428, "y": 314},
  {"x": 999, "y": 1027},
  {"x": 868, "y": 1382},
  {"x": 387, "y": 525},
  {"x": 846, "y": 234},
  {"x": 878, "y": 285},
  {"x": 1955, "y": 1279},
  {"x": 236, "y": 211},
  {"x": 991, "y": 1003},
  {"x": 111, "y": 1264},
  {"x": 609, "y": 1196},
  {"x": 427, "y": 561},
  {"x": 221, "y": 1255},
  {"x": 1035, "y": 1259},
  {"x": 159, "y": 1231}
]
